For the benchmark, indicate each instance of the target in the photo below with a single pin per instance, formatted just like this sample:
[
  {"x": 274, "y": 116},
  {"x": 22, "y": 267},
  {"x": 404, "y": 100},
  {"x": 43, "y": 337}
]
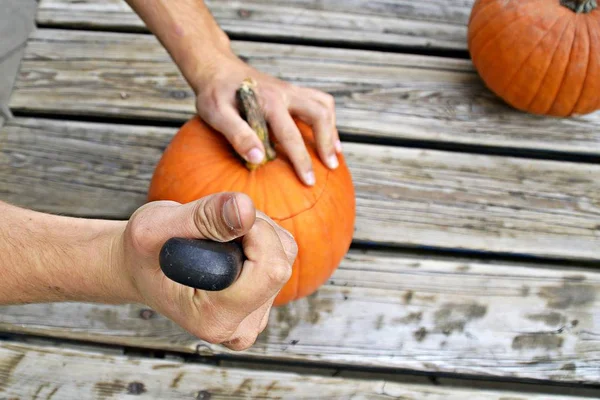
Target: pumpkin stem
[
  {"x": 252, "y": 113},
  {"x": 580, "y": 6}
]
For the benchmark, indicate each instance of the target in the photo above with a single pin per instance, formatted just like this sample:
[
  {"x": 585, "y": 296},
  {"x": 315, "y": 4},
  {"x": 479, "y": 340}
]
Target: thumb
[{"x": 220, "y": 217}]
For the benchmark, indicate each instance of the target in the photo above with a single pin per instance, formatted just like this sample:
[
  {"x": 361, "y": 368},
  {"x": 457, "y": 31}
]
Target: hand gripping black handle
[{"x": 202, "y": 264}]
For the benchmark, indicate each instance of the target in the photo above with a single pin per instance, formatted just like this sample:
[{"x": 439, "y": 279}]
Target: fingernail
[
  {"x": 332, "y": 161},
  {"x": 338, "y": 146},
  {"x": 231, "y": 214},
  {"x": 255, "y": 156},
  {"x": 310, "y": 178}
]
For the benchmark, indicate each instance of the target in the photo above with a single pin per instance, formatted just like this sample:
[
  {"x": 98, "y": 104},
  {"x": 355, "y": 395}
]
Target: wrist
[
  {"x": 52, "y": 258},
  {"x": 210, "y": 66},
  {"x": 114, "y": 280},
  {"x": 86, "y": 264}
]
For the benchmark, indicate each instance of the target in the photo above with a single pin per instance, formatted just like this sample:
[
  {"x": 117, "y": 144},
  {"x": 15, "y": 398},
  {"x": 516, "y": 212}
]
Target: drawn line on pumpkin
[
  {"x": 564, "y": 75},
  {"x": 586, "y": 74},
  {"x": 312, "y": 205},
  {"x": 509, "y": 81},
  {"x": 548, "y": 68}
]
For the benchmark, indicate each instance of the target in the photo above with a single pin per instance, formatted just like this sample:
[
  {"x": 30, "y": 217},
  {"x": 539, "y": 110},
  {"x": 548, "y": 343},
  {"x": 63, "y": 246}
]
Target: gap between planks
[
  {"x": 388, "y": 311},
  {"x": 405, "y": 197},
  {"x": 378, "y": 96},
  {"x": 446, "y": 383},
  {"x": 433, "y": 26},
  {"x": 35, "y": 371},
  {"x": 444, "y": 316}
]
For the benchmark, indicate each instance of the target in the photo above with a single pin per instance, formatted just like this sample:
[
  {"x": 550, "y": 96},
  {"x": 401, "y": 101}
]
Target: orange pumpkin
[
  {"x": 199, "y": 161},
  {"x": 540, "y": 56}
]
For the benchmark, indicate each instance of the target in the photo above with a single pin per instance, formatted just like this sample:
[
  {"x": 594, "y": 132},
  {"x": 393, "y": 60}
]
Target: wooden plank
[
  {"x": 449, "y": 316},
  {"x": 407, "y": 197},
  {"x": 389, "y": 23},
  {"x": 32, "y": 372},
  {"x": 389, "y": 310},
  {"x": 378, "y": 94}
]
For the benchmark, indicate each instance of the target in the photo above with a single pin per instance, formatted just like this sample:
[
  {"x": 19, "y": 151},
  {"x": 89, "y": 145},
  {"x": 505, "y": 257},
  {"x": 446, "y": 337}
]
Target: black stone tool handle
[{"x": 202, "y": 264}]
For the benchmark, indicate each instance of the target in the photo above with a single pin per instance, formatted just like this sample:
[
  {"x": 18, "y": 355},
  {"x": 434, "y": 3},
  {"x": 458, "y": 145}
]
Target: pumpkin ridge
[
  {"x": 240, "y": 176},
  {"x": 208, "y": 184},
  {"x": 312, "y": 205},
  {"x": 502, "y": 92},
  {"x": 597, "y": 36},
  {"x": 587, "y": 68},
  {"x": 541, "y": 82},
  {"x": 185, "y": 171},
  {"x": 265, "y": 193},
  {"x": 478, "y": 12},
  {"x": 500, "y": 32},
  {"x": 564, "y": 74}
]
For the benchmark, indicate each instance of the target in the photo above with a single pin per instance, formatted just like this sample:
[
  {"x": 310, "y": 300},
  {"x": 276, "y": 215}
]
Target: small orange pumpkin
[
  {"x": 540, "y": 56},
  {"x": 199, "y": 162}
]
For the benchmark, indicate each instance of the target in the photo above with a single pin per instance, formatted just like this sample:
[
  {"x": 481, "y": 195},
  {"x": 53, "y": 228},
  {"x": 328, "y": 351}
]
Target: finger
[
  {"x": 318, "y": 110},
  {"x": 220, "y": 217},
  {"x": 291, "y": 141},
  {"x": 238, "y": 133},
  {"x": 270, "y": 252},
  {"x": 249, "y": 329},
  {"x": 287, "y": 239},
  {"x": 265, "y": 319}
]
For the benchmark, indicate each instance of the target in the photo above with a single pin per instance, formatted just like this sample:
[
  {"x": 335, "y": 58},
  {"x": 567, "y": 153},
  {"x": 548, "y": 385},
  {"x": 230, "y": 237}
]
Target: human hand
[
  {"x": 234, "y": 316},
  {"x": 215, "y": 89}
]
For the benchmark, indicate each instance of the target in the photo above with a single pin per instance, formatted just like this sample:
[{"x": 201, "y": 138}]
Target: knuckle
[
  {"x": 329, "y": 101},
  {"x": 279, "y": 273},
  {"x": 242, "y": 343},
  {"x": 210, "y": 329},
  {"x": 141, "y": 234},
  {"x": 323, "y": 113},
  {"x": 270, "y": 96},
  {"x": 208, "y": 103},
  {"x": 290, "y": 139},
  {"x": 242, "y": 141},
  {"x": 215, "y": 99}
]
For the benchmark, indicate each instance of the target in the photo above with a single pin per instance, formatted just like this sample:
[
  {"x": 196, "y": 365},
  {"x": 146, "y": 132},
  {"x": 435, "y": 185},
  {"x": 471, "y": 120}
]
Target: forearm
[
  {"x": 53, "y": 258},
  {"x": 188, "y": 31}
]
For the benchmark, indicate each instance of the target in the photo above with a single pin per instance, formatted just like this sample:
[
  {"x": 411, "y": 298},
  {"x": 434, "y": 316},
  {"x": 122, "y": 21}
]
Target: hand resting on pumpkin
[
  {"x": 203, "y": 54},
  {"x": 48, "y": 258}
]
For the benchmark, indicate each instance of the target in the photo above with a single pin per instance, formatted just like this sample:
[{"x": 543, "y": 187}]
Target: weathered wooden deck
[{"x": 476, "y": 254}]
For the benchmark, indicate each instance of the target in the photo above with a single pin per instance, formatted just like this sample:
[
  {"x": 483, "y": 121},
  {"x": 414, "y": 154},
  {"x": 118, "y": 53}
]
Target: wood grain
[
  {"x": 379, "y": 95},
  {"x": 46, "y": 372},
  {"x": 389, "y": 310},
  {"x": 388, "y": 23},
  {"x": 407, "y": 197}
]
